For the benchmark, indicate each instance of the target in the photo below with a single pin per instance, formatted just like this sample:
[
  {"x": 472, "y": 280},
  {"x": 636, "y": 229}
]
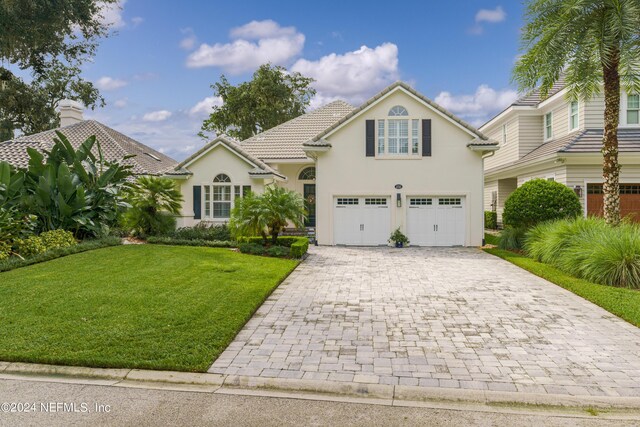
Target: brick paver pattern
[{"x": 434, "y": 317}]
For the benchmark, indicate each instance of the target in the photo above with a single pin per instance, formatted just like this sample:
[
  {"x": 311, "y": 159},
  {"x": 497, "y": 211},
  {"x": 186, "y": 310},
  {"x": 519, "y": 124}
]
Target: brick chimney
[{"x": 70, "y": 112}]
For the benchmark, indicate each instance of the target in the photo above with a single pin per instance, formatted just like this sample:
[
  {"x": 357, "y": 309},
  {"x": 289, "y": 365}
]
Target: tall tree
[
  {"x": 48, "y": 40},
  {"x": 270, "y": 98},
  {"x": 594, "y": 43}
]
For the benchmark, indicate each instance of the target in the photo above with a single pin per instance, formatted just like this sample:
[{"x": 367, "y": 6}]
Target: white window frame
[
  {"x": 548, "y": 124},
  {"x": 577, "y": 115},
  {"x": 382, "y": 136},
  {"x": 625, "y": 111}
]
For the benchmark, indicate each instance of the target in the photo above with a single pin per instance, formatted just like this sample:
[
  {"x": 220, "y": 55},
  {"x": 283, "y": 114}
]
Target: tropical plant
[
  {"x": 512, "y": 238},
  {"x": 398, "y": 237},
  {"x": 72, "y": 189},
  {"x": 154, "y": 202},
  {"x": 267, "y": 214},
  {"x": 591, "y": 42},
  {"x": 14, "y": 223},
  {"x": 273, "y": 96},
  {"x": 540, "y": 200}
]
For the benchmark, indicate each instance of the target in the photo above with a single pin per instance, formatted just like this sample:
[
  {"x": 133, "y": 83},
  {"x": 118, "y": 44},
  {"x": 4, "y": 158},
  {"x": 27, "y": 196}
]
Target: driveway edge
[{"x": 385, "y": 394}]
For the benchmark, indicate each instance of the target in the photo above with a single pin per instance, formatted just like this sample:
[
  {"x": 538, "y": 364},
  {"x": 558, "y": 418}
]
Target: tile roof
[
  {"x": 285, "y": 141},
  {"x": 534, "y": 98},
  {"x": 581, "y": 141},
  {"x": 114, "y": 146},
  {"x": 261, "y": 167},
  {"x": 409, "y": 89}
]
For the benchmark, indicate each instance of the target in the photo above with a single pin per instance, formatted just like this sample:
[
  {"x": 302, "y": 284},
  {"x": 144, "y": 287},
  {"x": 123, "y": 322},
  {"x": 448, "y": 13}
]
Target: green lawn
[
  {"x": 133, "y": 306},
  {"x": 490, "y": 239},
  {"x": 622, "y": 302}
]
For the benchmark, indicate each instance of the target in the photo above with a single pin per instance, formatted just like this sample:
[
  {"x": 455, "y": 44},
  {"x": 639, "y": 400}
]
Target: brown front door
[{"x": 629, "y": 200}]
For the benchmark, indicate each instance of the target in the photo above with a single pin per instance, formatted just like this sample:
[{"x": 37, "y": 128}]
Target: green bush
[
  {"x": 491, "y": 220},
  {"x": 252, "y": 248},
  {"x": 154, "y": 203},
  {"x": 299, "y": 248},
  {"x": 298, "y": 245},
  {"x": 5, "y": 250},
  {"x": 30, "y": 246},
  {"x": 57, "y": 239},
  {"x": 512, "y": 238},
  {"x": 86, "y": 245},
  {"x": 540, "y": 200},
  {"x": 589, "y": 249},
  {"x": 278, "y": 251},
  {"x": 191, "y": 242},
  {"x": 202, "y": 231}
]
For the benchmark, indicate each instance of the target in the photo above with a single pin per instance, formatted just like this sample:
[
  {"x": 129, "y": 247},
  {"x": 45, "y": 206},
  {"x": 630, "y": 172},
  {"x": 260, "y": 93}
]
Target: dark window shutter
[
  {"x": 426, "y": 138},
  {"x": 197, "y": 202},
  {"x": 370, "y": 128}
]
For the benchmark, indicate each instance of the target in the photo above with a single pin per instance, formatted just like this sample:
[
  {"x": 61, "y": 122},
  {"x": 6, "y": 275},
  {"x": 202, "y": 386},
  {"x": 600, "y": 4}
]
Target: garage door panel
[
  {"x": 421, "y": 220},
  {"x": 436, "y": 221},
  {"x": 361, "y": 221},
  {"x": 629, "y": 201}
]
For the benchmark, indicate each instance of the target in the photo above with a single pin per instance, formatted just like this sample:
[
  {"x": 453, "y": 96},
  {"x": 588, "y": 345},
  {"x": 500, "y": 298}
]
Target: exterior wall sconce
[
  {"x": 578, "y": 190},
  {"x": 398, "y": 200}
]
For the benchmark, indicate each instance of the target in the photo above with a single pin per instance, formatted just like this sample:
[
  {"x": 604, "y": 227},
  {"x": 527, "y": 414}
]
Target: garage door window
[
  {"x": 449, "y": 201},
  {"x": 345, "y": 201},
  {"x": 375, "y": 201},
  {"x": 420, "y": 201}
]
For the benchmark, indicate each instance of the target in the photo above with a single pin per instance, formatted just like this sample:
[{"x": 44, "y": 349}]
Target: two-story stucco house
[
  {"x": 398, "y": 160},
  {"x": 558, "y": 139}
]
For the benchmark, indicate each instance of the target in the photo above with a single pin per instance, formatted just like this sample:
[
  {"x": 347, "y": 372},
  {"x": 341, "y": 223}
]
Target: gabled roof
[
  {"x": 285, "y": 141},
  {"x": 534, "y": 98},
  {"x": 581, "y": 141},
  {"x": 114, "y": 146},
  {"x": 395, "y": 86},
  {"x": 260, "y": 167}
]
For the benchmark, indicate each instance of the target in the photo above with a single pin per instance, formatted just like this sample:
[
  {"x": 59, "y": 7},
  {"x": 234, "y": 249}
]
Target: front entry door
[{"x": 310, "y": 204}]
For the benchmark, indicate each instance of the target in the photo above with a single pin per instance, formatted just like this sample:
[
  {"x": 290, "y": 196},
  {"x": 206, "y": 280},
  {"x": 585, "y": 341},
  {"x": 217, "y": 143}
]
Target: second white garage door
[
  {"x": 436, "y": 221},
  {"x": 361, "y": 221}
]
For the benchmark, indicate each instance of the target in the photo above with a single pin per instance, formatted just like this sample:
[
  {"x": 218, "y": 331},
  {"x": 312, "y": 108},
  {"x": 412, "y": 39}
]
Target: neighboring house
[
  {"x": 558, "y": 139},
  {"x": 113, "y": 144},
  {"x": 399, "y": 160}
]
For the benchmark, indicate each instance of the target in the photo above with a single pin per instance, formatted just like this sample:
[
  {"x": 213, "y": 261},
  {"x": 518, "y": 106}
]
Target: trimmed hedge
[
  {"x": 298, "y": 246},
  {"x": 202, "y": 231},
  {"x": 491, "y": 220},
  {"x": 191, "y": 242},
  {"x": 87, "y": 245}
]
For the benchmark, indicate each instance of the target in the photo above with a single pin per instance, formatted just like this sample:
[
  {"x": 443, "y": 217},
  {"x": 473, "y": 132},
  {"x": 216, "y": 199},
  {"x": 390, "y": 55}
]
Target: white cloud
[
  {"x": 109, "y": 83},
  {"x": 190, "y": 39},
  {"x": 157, "y": 116},
  {"x": 205, "y": 107},
  {"x": 479, "y": 106},
  {"x": 121, "y": 103},
  {"x": 137, "y": 20},
  {"x": 491, "y": 16},
  {"x": 255, "y": 43},
  {"x": 354, "y": 76},
  {"x": 110, "y": 14}
]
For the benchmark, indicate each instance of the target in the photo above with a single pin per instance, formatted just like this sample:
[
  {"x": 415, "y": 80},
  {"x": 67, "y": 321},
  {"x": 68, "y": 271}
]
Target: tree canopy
[
  {"x": 270, "y": 98},
  {"x": 47, "y": 40}
]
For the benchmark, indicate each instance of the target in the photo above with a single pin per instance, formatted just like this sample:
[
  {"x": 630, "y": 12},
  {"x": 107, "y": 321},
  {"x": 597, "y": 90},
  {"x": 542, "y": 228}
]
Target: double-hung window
[
  {"x": 221, "y": 197},
  {"x": 548, "y": 125},
  {"x": 573, "y": 116},
  {"x": 633, "y": 109},
  {"x": 398, "y": 135}
]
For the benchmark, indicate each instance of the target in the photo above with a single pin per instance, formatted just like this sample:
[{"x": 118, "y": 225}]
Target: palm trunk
[{"x": 611, "y": 167}]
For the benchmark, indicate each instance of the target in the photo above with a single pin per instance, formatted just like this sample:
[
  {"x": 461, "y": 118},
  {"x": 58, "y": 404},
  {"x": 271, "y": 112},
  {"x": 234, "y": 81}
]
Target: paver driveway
[{"x": 455, "y": 318}]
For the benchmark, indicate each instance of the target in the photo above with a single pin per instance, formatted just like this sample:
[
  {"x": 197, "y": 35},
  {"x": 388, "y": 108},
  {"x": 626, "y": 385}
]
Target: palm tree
[
  {"x": 248, "y": 217},
  {"x": 591, "y": 42},
  {"x": 154, "y": 200}
]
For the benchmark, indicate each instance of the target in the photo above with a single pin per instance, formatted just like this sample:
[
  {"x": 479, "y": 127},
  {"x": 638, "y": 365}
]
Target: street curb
[{"x": 211, "y": 383}]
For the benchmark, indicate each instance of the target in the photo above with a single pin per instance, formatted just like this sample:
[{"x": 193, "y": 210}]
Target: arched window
[
  {"x": 307, "y": 174},
  {"x": 398, "y": 110},
  {"x": 222, "y": 178},
  {"x": 398, "y": 136}
]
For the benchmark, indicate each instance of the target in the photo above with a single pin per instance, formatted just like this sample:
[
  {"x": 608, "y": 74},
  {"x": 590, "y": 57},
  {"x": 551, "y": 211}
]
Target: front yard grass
[
  {"x": 134, "y": 306},
  {"x": 622, "y": 302}
]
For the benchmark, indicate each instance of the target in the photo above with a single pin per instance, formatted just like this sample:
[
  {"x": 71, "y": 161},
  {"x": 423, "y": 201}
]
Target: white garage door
[
  {"x": 436, "y": 221},
  {"x": 361, "y": 221}
]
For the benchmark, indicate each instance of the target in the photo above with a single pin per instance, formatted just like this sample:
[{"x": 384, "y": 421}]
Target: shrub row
[
  {"x": 34, "y": 245},
  {"x": 86, "y": 245},
  {"x": 202, "y": 231},
  {"x": 298, "y": 246},
  {"x": 258, "y": 249},
  {"x": 491, "y": 220},
  {"x": 588, "y": 248},
  {"x": 191, "y": 242}
]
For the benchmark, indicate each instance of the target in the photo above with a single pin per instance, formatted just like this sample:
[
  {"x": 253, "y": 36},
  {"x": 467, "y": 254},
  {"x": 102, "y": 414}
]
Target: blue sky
[{"x": 156, "y": 69}]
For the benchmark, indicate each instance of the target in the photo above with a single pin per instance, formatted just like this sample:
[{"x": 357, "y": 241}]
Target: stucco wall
[{"x": 452, "y": 169}]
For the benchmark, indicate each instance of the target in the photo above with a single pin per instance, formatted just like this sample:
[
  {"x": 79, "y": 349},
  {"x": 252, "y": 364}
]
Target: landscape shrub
[
  {"x": 203, "y": 231},
  {"x": 589, "y": 249},
  {"x": 154, "y": 203},
  {"x": 252, "y": 248},
  {"x": 299, "y": 248},
  {"x": 491, "y": 220},
  {"x": 57, "y": 239},
  {"x": 5, "y": 250},
  {"x": 298, "y": 245},
  {"x": 277, "y": 251},
  {"x": 512, "y": 238},
  {"x": 538, "y": 201},
  {"x": 161, "y": 240},
  {"x": 29, "y": 246}
]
